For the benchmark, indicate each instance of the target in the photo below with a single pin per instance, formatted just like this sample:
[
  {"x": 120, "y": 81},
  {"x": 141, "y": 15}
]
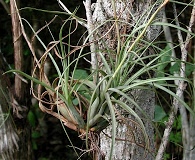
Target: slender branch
[
  {"x": 191, "y": 23},
  {"x": 181, "y": 85},
  {"x": 90, "y": 28},
  {"x": 182, "y": 109},
  {"x": 17, "y": 40},
  {"x": 192, "y": 131}
]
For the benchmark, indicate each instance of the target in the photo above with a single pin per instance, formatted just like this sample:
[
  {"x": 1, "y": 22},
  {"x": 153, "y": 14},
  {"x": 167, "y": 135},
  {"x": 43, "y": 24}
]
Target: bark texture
[
  {"x": 17, "y": 41},
  {"x": 8, "y": 133},
  {"x": 14, "y": 132},
  {"x": 130, "y": 141}
]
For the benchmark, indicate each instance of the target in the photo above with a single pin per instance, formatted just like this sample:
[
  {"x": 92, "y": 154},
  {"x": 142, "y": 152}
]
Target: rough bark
[
  {"x": 130, "y": 143},
  {"x": 8, "y": 132},
  {"x": 14, "y": 132}
]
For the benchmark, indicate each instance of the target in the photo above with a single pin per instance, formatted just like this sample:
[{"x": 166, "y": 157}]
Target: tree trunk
[
  {"x": 130, "y": 143},
  {"x": 15, "y": 131},
  {"x": 8, "y": 132}
]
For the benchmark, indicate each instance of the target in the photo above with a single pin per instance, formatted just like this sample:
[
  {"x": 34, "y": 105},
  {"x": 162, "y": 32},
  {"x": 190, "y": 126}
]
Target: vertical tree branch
[
  {"x": 25, "y": 150},
  {"x": 192, "y": 119},
  {"x": 17, "y": 40},
  {"x": 183, "y": 112},
  {"x": 90, "y": 28},
  {"x": 181, "y": 85},
  {"x": 94, "y": 64}
]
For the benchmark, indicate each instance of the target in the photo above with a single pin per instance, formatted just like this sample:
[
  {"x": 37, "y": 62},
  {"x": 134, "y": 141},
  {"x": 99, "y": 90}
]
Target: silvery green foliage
[{"x": 132, "y": 14}]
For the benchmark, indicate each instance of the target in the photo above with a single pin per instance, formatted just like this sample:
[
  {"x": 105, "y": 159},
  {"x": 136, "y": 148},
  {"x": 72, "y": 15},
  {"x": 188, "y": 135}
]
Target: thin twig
[
  {"x": 181, "y": 85},
  {"x": 182, "y": 109}
]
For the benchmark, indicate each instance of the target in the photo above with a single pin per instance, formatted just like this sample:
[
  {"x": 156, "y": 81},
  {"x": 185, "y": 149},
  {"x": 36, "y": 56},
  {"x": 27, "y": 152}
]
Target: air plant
[{"x": 87, "y": 106}]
